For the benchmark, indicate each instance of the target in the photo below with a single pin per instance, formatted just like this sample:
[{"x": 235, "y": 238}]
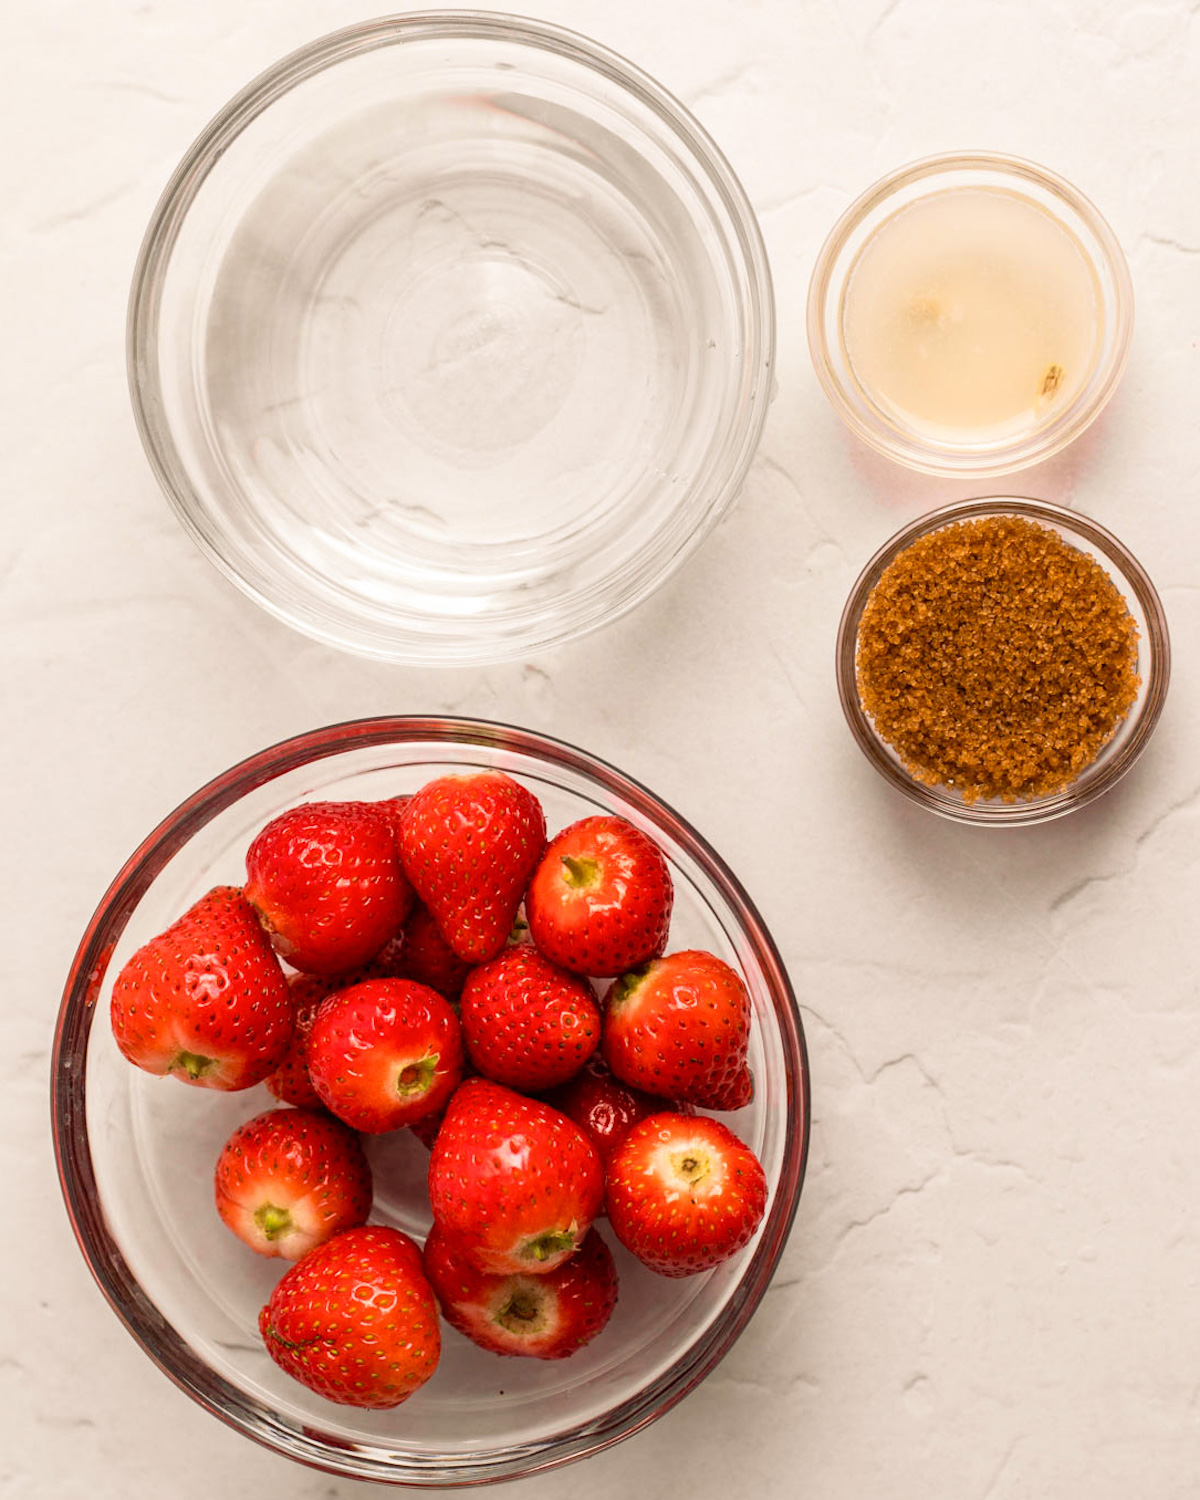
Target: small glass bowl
[
  {"x": 451, "y": 338},
  {"x": 136, "y": 1153},
  {"x": 1131, "y": 735},
  {"x": 886, "y": 430}
]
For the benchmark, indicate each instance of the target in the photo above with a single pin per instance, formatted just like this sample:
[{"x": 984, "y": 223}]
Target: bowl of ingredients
[
  {"x": 970, "y": 314},
  {"x": 1003, "y": 660},
  {"x": 379, "y": 1113},
  {"x": 451, "y": 337}
]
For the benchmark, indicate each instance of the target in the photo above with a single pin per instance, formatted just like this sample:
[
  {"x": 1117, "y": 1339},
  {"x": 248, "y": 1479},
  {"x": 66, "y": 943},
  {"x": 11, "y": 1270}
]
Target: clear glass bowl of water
[{"x": 451, "y": 337}]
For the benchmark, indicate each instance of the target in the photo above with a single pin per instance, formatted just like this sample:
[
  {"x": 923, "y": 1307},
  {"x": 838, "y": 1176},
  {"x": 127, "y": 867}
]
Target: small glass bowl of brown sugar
[{"x": 1003, "y": 660}]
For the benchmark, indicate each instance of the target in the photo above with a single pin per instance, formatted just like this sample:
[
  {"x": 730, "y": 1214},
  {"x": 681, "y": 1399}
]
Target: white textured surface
[{"x": 991, "y": 1289}]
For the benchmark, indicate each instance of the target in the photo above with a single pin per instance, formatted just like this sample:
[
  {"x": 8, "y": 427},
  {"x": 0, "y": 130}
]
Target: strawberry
[
  {"x": 604, "y": 1108},
  {"x": 469, "y": 844},
  {"x": 679, "y": 1027},
  {"x": 547, "y": 1316},
  {"x": 356, "y": 1320},
  {"x": 427, "y": 957},
  {"x": 290, "y": 1179},
  {"x": 517, "y": 1183},
  {"x": 684, "y": 1194},
  {"x": 600, "y": 900},
  {"x": 326, "y": 881},
  {"x": 205, "y": 1000},
  {"x": 526, "y": 1023},
  {"x": 383, "y": 1053},
  {"x": 291, "y": 1081},
  {"x": 393, "y": 808}
]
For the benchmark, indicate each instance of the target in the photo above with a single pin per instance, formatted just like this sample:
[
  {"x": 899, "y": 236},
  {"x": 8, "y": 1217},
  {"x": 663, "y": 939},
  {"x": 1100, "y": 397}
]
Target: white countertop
[{"x": 991, "y": 1287}]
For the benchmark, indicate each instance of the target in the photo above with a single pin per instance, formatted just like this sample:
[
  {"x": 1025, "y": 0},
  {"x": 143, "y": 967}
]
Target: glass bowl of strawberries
[{"x": 430, "y": 1101}]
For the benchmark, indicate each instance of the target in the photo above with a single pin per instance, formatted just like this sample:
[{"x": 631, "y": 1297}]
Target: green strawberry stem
[
  {"x": 522, "y": 1313},
  {"x": 580, "y": 872},
  {"x": 626, "y": 984},
  {"x": 417, "y": 1078},
  {"x": 551, "y": 1243},
  {"x": 272, "y": 1221},
  {"x": 192, "y": 1064}
]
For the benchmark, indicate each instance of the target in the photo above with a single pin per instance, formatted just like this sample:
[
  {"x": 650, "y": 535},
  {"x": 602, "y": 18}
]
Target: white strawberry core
[
  {"x": 522, "y": 1308},
  {"x": 687, "y": 1167},
  {"x": 273, "y": 1225},
  {"x": 691, "y": 1167},
  {"x": 182, "y": 1051}
]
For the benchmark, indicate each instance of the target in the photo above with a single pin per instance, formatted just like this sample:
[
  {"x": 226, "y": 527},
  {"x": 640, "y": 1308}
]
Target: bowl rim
[
  {"x": 1010, "y": 456},
  {"x": 159, "y": 1340},
  {"x": 1154, "y": 651},
  {"x": 757, "y": 357}
]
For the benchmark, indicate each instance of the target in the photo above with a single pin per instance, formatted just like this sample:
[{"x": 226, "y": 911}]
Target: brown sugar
[{"x": 995, "y": 658}]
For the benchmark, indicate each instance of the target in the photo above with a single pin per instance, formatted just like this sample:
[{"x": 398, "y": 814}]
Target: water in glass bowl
[{"x": 462, "y": 347}]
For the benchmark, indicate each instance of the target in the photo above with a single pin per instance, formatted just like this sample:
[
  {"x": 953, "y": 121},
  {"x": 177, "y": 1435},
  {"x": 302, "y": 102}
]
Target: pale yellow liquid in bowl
[{"x": 972, "y": 316}]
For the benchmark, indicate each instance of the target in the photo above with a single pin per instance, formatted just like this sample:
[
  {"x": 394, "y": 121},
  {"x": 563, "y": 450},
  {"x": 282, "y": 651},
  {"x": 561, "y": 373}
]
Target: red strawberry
[
  {"x": 600, "y": 900},
  {"x": 393, "y": 809},
  {"x": 206, "y": 1000},
  {"x": 684, "y": 1193},
  {"x": 604, "y": 1108},
  {"x": 291, "y": 1081},
  {"x": 290, "y": 1179},
  {"x": 679, "y": 1027},
  {"x": 527, "y": 1024},
  {"x": 547, "y": 1316},
  {"x": 517, "y": 1183},
  {"x": 356, "y": 1320},
  {"x": 469, "y": 844},
  {"x": 383, "y": 1053},
  {"x": 326, "y": 881},
  {"x": 427, "y": 957}
]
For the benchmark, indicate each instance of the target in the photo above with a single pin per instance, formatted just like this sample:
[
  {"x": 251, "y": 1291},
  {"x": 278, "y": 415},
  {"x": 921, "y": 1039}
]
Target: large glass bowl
[
  {"x": 451, "y": 337},
  {"x": 136, "y": 1153}
]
